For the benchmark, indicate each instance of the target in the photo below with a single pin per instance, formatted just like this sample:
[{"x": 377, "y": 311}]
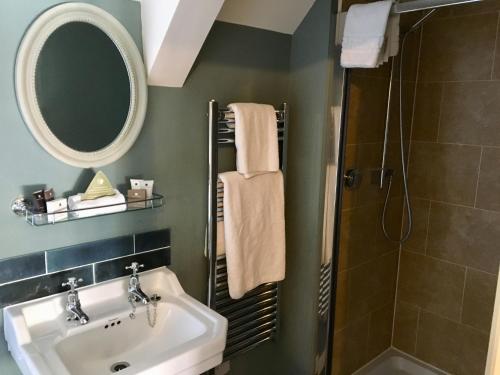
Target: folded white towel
[
  {"x": 254, "y": 230},
  {"x": 391, "y": 45},
  {"x": 364, "y": 34},
  {"x": 99, "y": 206},
  {"x": 256, "y": 138}
]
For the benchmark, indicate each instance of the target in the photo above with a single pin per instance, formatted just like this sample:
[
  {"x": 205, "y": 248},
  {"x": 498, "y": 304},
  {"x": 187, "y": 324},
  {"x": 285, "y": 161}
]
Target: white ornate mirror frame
[{"x": 27, "y": 57}]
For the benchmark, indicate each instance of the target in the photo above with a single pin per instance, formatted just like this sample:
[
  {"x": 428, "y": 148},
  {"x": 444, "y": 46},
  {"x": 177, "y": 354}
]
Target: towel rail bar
[{"x": 253, "y": 319}]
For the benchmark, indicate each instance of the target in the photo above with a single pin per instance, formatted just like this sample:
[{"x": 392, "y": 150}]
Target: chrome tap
[
  {"x": 135, "y": 293},
  {"x": 73, "y": 305}
]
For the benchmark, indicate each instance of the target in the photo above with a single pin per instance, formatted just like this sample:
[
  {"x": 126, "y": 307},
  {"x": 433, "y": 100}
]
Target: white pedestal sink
[{"x": 188, "y": 337}]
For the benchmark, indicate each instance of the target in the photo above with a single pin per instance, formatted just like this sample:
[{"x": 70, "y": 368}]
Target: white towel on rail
[
  {"x": 254, "y": 230},
  {"x": 256, "y": 138},
  {"x": 364, "y": 34},
  {"x": 391, "y": 45}
]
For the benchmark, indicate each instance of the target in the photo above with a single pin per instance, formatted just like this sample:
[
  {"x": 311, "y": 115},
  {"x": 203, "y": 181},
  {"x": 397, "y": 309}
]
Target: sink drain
[{"x": 119, "y": 366}]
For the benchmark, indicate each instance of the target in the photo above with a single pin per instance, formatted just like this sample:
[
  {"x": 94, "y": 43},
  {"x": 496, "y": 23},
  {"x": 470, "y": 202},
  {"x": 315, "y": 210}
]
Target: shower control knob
[{"x": 352, "y": 178}]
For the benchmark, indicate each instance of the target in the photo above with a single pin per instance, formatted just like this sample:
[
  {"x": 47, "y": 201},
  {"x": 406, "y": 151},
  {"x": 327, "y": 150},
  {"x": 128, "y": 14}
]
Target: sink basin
[{"x": 187, "y": 338}]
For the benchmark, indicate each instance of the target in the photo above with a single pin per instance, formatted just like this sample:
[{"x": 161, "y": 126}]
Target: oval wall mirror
[{"x": 81, "y": 85}]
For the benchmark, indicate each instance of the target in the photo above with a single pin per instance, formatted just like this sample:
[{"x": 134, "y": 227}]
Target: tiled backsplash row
[{"x": 41, "y": 274}]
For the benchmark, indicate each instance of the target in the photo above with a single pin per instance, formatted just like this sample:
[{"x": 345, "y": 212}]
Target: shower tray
[{"x": 394, "y": 362}]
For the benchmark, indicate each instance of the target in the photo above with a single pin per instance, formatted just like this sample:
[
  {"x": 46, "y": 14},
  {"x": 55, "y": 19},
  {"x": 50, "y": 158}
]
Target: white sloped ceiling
[{"x": 173, "y": 31}]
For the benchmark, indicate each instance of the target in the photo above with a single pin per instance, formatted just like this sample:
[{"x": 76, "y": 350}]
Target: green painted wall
[
  {"x": 310, "y": 97},
  {"x": 311, "y": 70},
  {"x": 236, "y": 64}
]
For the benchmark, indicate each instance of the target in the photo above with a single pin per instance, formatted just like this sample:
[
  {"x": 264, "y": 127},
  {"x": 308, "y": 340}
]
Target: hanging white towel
[
  {"x": 254, "y": 230},
  {"x": 391, "y": 45},
  {"x": 256, "y": 138},
  {"x": 364, "y": 34}
]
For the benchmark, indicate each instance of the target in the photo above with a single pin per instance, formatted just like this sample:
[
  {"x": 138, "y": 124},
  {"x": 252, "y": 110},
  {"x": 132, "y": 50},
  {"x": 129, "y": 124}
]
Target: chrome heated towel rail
[{"x": 254, "y": 318}]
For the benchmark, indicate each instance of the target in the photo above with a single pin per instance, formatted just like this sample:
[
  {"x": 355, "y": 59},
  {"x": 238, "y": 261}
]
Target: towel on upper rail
[
  {"x": 255, "y": 138},
  {"x": 370, "y": 35},
  {"x": 254, "y": 230}
]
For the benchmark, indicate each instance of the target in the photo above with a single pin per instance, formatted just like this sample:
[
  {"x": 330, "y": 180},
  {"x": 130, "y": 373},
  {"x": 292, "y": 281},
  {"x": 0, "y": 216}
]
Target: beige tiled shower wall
[{"x": 448, "y": 267}]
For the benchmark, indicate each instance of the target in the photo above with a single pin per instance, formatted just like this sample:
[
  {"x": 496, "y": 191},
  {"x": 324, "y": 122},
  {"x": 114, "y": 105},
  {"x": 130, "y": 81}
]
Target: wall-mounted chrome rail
[
  {"x": 254, "y": 318},
  {"x": 418, "y": 5}
]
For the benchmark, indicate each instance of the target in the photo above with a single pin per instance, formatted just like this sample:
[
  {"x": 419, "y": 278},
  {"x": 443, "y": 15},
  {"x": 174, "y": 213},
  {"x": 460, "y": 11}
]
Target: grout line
[
  {"x": 93, "y": 273},
  {"x": 370, "y": 317},
  {"x": 461, "y": 81},
  {"x": 454, "y": 144},
  {"x": 460, "y": 205},
  {"x": 416, "y": 330},
  {"x": 129, "y": 255},
  {"x": 495, "y": 48},
  {"x": 463, "y": 297},
  {"x": 478, "y": 175},
  {"x": 365, "y": 143},
  {"x": 378, "y": 257},
  {"x": 422, "y": 310},
  {"x": 426, "y": 242},
  {"x": 361, "y": 317},
  {"x": 42, "y": 275},
  {"x": 134, "y": 243},
  {"x": 46, "y": 263},
  {"x": 452, "y": 263},
  {"x": 441, "y": 101}
]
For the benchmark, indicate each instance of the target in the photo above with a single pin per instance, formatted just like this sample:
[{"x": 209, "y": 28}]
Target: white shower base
[{"x": 394, "y": 362}]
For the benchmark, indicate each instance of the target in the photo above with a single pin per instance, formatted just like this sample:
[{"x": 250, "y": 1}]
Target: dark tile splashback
[
  {"x": 116, "y": 268},
  {"x": 21, "y": 267},
  {"x": 41, "y": 274},
  {"x": 152, "y": 240},
  {"x": 42, "y": 286}
]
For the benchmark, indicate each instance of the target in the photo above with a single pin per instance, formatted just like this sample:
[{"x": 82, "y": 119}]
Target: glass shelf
[{"x": 39, "y": 219}]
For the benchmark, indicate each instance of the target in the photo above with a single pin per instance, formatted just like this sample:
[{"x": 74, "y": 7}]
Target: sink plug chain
[{"x": 152, "y": 316}]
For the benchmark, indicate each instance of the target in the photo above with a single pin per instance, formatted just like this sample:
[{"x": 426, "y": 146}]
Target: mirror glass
[{"x": 82, "y": 87}]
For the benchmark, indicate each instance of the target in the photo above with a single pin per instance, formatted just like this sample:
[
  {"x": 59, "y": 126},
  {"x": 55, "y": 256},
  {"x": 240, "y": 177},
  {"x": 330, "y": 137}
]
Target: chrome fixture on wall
[
  {"x": 73, "y": 306},
  {"x": 135, "y": 293},
  {"x": 254, "y": 318}
]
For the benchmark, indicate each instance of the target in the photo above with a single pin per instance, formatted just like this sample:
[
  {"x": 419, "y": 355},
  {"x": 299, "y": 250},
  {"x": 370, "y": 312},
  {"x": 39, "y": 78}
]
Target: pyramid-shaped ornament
[{"x": 99, "y": 187}]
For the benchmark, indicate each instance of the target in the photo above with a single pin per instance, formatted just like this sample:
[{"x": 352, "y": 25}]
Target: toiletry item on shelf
[
  {"x": 58, "y": 209},
  {"x": 136, "y": 198},
  {"x": 49, "y": 195},
  {"x": 136, "y": 184},
  {"x": 39, "y": 205},
  {"x": 100, "y": 206},
  {"x": 99, "y": 187},
  {"x": 147, "y": 185}
]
